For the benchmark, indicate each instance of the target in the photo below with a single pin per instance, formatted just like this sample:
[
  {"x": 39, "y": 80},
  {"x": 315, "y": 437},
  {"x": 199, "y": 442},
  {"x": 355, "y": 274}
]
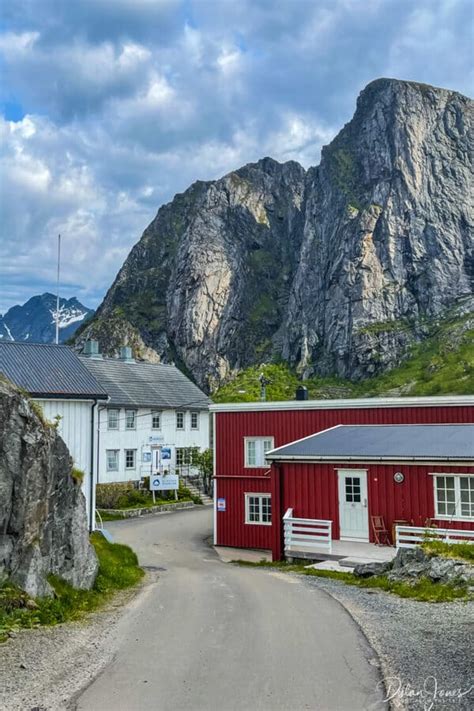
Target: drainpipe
[{"x": 91, "y": 482}]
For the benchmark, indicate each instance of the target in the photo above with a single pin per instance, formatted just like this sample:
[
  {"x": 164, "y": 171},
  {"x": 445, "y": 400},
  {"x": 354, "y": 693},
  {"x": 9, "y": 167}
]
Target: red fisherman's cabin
[{"x": 290, "y": 473}]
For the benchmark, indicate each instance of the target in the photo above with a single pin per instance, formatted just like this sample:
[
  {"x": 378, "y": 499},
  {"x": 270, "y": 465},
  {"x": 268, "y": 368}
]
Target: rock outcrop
[
  {"x": 43, "y": 523},
  {"x": 411, "y": 564},
  {"x": 335, "y": 269}
]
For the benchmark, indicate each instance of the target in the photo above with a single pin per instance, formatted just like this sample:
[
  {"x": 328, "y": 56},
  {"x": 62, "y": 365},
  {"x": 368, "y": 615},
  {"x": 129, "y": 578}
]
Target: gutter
[{"x": 364, "y": 460}]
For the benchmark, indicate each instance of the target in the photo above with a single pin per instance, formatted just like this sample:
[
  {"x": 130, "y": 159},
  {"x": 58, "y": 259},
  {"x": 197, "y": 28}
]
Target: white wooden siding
[
  {"x": 75, "y": 429},
  {"x": 139, "y": 439}
]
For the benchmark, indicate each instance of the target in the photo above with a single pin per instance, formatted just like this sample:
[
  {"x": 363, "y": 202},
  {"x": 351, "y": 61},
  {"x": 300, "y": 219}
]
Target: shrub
[{"x": 109, "y": 495}]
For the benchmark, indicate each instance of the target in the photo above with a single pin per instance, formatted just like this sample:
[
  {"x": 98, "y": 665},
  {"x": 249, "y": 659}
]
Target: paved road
[{"x": 216, "y": 637}]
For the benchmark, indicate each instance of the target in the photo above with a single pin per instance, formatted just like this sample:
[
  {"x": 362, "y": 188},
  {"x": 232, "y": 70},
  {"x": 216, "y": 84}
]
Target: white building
[
  {"x": 57, "y": 379},
  {"x": 150, "y": 405}
]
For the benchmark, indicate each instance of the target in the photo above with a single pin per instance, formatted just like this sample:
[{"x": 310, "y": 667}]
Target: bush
[{"x": 108, "y": 496}]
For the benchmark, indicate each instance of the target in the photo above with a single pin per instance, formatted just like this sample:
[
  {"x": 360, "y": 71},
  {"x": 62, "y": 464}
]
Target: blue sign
[{"x": 221, "y": 504}]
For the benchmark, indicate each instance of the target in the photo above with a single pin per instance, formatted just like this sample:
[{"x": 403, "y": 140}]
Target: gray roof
[
  {"x": 379, "y": 442},
  {"x": 45, "y": 369},
  {"x": 138, "y": 384}
]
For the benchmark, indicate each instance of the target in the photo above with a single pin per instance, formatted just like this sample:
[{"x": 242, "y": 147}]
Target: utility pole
[{"x": 57, "y": 291}]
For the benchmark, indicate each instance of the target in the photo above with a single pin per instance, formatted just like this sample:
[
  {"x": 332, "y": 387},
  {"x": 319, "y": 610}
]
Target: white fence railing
[
  {"x": 411, "y": 536},
  {"x": 306, "y": 535}
]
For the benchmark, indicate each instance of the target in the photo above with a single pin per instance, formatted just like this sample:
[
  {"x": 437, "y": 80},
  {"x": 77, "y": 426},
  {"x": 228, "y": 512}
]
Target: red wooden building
[{"x": 252, "y": 494}]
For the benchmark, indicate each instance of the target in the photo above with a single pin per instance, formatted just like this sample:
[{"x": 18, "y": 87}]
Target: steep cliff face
[
  {"x": 43, "y": 523},
  {"x": 335, "y": 269}
]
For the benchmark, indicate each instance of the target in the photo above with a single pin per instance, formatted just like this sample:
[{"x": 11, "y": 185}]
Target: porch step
[{"x": 331, "y": 565}]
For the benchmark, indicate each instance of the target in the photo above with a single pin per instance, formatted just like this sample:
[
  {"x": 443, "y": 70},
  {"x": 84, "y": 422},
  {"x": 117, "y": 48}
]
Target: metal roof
[
  {"x": 346, "y": 403},
  {"x": 139, "y": 384},
  {"x": 48, "y": 370},
  {"x": 382, "y": 442}
]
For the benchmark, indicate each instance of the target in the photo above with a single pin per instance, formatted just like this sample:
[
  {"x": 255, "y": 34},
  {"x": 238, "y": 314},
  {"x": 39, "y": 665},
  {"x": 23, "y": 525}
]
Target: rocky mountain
[
  {"x": 335, "y": 270},
  {"x": 43, "y": 523},
  {"x": 36, "y": 320}
]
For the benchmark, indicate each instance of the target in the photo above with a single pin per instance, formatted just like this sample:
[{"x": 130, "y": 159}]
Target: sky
[{"x": 111, "y": 107}]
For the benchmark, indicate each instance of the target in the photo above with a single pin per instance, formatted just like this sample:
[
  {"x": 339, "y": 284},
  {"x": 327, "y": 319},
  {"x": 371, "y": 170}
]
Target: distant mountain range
[{"x": 35, "y": 321}]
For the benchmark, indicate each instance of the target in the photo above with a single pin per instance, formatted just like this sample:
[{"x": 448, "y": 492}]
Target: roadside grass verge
[
  {"x": 118, "y": 570},
  {"x": 422, "y": 590}
]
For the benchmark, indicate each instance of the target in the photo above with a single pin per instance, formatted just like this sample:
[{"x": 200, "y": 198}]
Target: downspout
[{"x": 91, "y": 482}]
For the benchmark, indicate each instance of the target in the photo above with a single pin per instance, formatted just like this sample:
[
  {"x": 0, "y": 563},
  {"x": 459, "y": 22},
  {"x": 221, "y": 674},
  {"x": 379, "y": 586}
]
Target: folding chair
[{"x": 381, "y": 534}]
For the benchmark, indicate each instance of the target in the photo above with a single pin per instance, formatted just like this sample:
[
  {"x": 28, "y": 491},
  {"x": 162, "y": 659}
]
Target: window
[
  {"x": 130, "y": 458},
  {"x": 353, "y": 489},
  {"x": 112, "y": 460},
  {"x": 156, "y": 420},
  {"x": 194, "y": 420},
  {"x": 185, "y": 456},
  {"x": 454, "y": 496},
  {"x": 258, "y": 509},
  {"x": 180, "y": 420},
  {"x": 255, "y": 450},
  {"x": 130, "y": 419},
  {"x": 113, "y": 419}
]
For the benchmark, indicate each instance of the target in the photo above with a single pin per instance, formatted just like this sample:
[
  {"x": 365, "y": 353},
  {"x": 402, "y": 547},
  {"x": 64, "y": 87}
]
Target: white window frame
[
  {"x": 196, "y": 415},
  {"x": 117, "y": 410},
  {"x": 127, "y": 411},
  {"x": 259, "y": 451},
  {"x": 457, "y": 497},
  {"x": 180, "y": 412},
  {"x": 257, "y": 495},
  {"x": 107, "y": 463},
  {"x": 156, "y": 413},
  {"x": 134, "y": 465}
]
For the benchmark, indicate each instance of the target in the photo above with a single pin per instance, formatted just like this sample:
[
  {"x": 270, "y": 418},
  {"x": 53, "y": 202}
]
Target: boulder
[
  {"x": 366, "y": 570},
  {"x": 43, "y": 523}
]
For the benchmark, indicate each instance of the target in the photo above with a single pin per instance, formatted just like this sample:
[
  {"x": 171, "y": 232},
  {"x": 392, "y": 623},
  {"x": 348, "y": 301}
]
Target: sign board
[
  {"x": 146, "y": 457},
  {"x": 221, "y": 504},
  {"x": 164, "y": 482},
  {"x": 156, "y": 439}
]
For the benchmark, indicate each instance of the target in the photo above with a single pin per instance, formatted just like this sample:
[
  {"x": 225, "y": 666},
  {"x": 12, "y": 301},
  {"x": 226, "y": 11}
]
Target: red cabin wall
[
  {"x": 311, "y": 490},
  {"x": 312, "y": 494},
  {"x": 288, "y": 425}
]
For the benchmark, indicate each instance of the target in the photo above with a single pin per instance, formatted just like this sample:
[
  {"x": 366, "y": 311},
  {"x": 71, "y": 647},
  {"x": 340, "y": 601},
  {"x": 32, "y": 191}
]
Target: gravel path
[
  {"x": 426, "y": 649},
  {"x": 43, "y": 669}
]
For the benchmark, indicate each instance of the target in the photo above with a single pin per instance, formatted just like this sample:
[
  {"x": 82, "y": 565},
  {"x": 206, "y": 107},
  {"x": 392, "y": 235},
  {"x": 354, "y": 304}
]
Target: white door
[{"x": 353, "y": 511}]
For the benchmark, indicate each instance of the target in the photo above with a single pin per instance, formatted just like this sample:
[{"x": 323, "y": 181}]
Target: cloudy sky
[{"x": 110, "y": 107}]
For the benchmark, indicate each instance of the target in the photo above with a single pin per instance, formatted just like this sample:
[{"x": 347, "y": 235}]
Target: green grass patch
[
  {"x": 118, "y": 570},
  {"x": 458, "y": 551},
  {"x": 423, "y": 589}
]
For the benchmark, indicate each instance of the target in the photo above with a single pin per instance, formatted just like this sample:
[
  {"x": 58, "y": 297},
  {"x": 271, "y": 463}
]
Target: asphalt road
[{"x": 212, "y": 636}]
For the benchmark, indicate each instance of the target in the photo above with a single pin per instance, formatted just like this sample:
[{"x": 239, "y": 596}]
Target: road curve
[{"x": 215, "y": 637}]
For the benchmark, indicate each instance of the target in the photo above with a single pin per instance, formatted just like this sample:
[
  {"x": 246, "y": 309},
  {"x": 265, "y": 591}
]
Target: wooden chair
[
  {"x": 381, "y": 534},
  {"x": 430, "y": 523}
]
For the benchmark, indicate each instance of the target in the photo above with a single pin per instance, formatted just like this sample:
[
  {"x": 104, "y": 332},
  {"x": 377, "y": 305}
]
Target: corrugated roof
[
  {"x": 375, "y": 442},
  {"x": 49, "y": 370},
  {"x": 140, "y": 384}
]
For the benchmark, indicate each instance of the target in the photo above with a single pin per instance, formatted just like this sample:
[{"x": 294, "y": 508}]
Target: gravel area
[
  {"x": 44, "y": 669},
  {"x": 425, "y": 649}
]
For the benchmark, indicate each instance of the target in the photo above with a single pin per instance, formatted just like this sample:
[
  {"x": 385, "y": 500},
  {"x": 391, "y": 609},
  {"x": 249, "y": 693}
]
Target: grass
[
  {"x": 458, "y": 551},
  {"x": 118, "y": 570},
  {"x": 423, "y": 590}
]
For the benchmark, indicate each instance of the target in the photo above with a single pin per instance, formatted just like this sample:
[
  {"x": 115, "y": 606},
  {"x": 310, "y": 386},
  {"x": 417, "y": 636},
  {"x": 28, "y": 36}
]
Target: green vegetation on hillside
[
  {"x": 118, "y": 570},
  {"x": 443, "y": 364}
]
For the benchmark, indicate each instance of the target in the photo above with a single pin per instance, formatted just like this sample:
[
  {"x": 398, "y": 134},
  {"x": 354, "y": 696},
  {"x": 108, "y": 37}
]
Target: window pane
[
  {"x": 194, "y": 420},
  {"x": 441, "y": 508},
  {"x": 180, "y": 420},
  {"x": 156, "y": 420},
  {"x": 251, "y": 453},
  {"x": 113, "y": 419},
  {"x": 130, "y": 419}
]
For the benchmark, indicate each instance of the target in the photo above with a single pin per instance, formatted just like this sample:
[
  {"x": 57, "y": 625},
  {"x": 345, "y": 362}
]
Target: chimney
[
  {"x": 91, "y": 350},
  {"x": 126, "y": 354},
  {"x": 301, "y": 393}
]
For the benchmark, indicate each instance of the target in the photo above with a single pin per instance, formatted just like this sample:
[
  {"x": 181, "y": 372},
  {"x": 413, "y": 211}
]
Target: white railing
[
  {"x": 411, "y": 536},
  {"x": 306, "y": 535}
]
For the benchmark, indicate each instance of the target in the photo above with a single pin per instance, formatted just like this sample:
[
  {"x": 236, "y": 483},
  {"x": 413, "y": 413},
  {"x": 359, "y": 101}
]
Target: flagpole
[{"x": 57, "y": 291}]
